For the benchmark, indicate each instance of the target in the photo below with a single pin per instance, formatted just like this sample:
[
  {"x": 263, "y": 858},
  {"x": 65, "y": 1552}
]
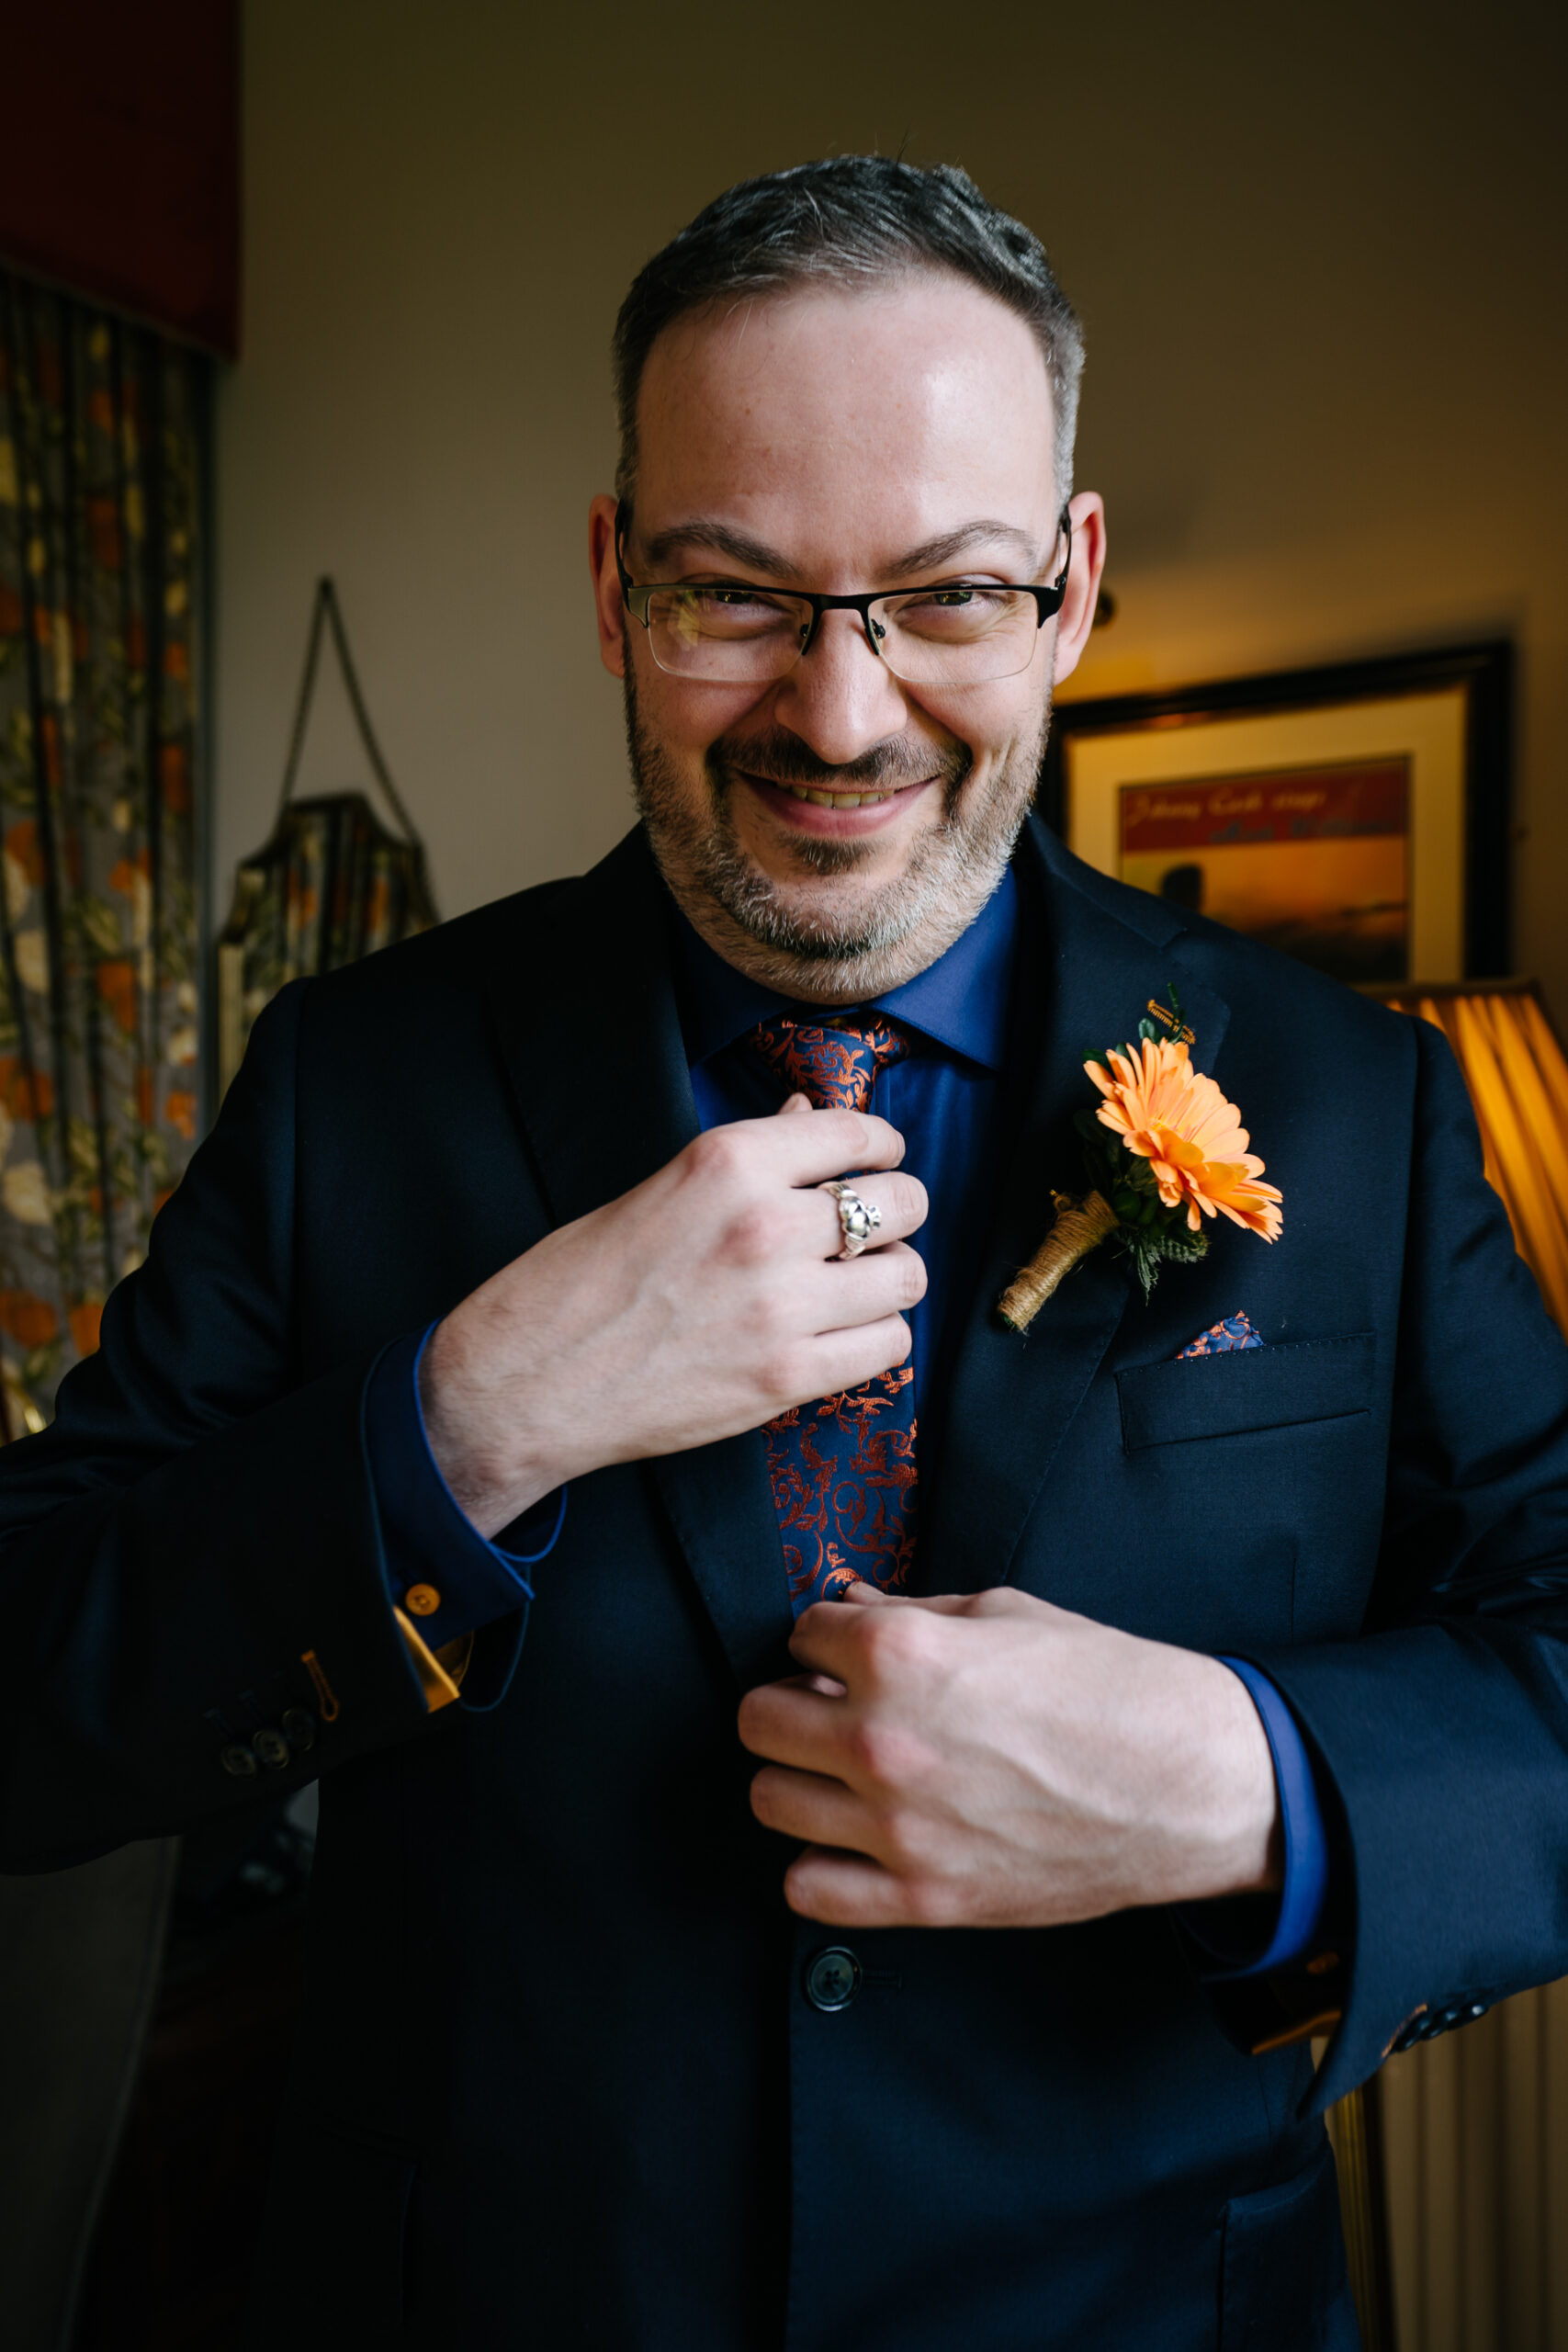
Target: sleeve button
[
  {"x": 422, "y": 1599},
  {"x": 299, "y": 1728},
  {"x": 272, "y": 1747},
  {"x": 240, "y": 1761}
]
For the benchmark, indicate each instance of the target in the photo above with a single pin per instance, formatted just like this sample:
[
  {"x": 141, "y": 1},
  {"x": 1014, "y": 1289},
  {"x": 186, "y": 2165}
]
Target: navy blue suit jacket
[{"x": 559, "y": 2081}]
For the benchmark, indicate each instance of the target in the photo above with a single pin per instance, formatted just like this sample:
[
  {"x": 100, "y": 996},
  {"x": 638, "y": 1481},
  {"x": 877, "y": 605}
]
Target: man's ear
[
  {"x": 610, "y": 612},
  {"x": 1076, "y": 619}
]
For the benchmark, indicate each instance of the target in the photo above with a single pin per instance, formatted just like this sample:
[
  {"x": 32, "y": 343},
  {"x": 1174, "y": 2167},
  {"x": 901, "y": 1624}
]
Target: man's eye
[
  {"x": 961, "y": 612},
  {"x": 966, "y": 598},
  {"x": 733, "y": 612}
]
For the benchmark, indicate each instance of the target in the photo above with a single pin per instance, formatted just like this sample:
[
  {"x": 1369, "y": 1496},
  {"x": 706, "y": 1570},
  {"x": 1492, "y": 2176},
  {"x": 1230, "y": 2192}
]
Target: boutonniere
[{"x": 1163, "y": 1151}]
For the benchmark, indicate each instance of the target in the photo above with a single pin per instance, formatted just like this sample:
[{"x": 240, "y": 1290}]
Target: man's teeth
[{"x": 835, "y": 800}]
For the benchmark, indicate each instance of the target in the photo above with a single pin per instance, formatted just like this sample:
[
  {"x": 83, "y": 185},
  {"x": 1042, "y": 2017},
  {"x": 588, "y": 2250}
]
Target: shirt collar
[{"x": 960, "y": 1001}]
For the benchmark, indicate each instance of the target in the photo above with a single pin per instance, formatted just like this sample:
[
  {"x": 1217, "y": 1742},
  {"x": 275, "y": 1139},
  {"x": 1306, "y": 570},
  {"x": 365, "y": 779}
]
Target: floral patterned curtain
[{"x": 99, "y": 549}]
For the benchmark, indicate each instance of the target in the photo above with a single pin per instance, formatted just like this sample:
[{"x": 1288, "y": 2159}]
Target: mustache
[{"x": 779, "y": 757}]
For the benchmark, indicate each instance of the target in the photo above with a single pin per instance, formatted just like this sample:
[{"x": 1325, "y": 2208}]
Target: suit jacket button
[
  {"x": 272, "y": 1747},
  {"x": 832, "y": 1979},
  {"x": 421, "y": 1599},
  {"x": 299, "y": 1728},
  {"x": 240, "y": 1761}
]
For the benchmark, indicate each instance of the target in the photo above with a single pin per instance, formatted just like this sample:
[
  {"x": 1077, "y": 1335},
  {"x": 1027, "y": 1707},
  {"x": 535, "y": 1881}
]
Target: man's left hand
[{"x": 989, "y": 1761}]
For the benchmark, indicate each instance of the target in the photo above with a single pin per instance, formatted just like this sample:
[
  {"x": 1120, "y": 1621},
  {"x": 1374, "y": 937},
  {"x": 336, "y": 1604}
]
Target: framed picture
[{"x": 1355, "y": 817}]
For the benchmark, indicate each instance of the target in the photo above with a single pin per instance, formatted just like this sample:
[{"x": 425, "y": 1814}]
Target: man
[{"x": 1111, "y": 1715}]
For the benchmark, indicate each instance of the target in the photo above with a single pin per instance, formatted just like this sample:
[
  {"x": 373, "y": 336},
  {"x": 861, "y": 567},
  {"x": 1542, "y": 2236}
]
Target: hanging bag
[{"x": 331, "y": 883}]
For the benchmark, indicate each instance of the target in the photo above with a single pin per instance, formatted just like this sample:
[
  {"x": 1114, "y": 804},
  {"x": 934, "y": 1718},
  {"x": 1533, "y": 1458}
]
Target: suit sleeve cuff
[
  {"x": 1298, "y": 1912},
  {"x": 440, "y": 1570}
]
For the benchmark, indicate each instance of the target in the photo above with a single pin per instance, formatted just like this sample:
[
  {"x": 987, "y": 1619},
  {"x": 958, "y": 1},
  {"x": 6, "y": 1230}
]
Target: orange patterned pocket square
[{"x": 1220, "y": 1338}]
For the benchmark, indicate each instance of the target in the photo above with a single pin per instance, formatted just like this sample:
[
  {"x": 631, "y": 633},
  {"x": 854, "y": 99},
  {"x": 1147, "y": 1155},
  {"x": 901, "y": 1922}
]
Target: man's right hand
[{"x": 702, "y": 1303}]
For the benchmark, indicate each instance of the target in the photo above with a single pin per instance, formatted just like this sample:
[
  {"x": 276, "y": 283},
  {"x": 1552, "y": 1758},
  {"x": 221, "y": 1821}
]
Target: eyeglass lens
[{"x": 955, "y": 637}]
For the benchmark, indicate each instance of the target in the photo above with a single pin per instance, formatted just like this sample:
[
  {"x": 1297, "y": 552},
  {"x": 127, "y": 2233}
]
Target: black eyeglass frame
[{"x": 1047, "y": 599}]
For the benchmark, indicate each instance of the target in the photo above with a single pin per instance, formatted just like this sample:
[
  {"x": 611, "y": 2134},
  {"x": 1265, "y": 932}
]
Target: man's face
[{"x": 842, "y": 442}]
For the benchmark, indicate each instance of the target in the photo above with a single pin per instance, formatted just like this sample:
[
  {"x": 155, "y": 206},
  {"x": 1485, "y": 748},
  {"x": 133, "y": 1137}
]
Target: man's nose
[{"x": 841, "y": 698}]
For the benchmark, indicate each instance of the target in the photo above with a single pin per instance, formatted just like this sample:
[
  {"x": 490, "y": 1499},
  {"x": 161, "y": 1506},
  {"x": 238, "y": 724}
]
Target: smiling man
[{"x": 839, "y": 1821}]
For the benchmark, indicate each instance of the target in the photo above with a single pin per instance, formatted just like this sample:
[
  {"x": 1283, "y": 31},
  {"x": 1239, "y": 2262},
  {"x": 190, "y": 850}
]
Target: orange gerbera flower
[{"x": 1192, "y": 1138}]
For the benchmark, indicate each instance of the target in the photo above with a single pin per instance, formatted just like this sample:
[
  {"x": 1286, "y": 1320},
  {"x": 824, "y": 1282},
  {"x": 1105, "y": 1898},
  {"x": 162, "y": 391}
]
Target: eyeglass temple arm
[
  {"x": 621, "y": 573},
  {"x": 1059, "y": 585}
]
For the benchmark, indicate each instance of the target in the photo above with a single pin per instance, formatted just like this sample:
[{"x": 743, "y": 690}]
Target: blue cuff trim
[
  {"x": 426, "y": 1538},
  {"x": 1305, "y": 1889}
]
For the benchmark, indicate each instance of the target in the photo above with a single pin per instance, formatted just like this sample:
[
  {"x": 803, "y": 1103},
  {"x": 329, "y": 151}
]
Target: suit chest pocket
[{"x": 1246, "y": 1390}]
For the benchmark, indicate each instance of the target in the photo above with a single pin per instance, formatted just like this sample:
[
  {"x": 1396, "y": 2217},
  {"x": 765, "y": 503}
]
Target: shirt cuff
[
  {"x": 1304, "y": 1893},
  {"x": 448, "y": 1578}
]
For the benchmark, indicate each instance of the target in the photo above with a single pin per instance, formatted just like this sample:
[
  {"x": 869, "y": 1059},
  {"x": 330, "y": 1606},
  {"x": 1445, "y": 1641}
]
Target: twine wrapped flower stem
[
  {"x": 1080, "y": 1227},
  {"x": 1164, "y": 1151}
]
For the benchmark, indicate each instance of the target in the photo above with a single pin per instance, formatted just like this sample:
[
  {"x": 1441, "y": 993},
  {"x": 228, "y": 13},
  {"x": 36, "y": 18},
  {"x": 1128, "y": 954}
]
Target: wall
[{"x": 1318, "y": 252}]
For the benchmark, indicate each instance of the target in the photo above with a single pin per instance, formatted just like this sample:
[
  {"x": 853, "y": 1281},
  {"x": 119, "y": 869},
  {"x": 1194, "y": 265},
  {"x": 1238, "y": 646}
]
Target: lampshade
[{"x": 1518, "y": 1078}]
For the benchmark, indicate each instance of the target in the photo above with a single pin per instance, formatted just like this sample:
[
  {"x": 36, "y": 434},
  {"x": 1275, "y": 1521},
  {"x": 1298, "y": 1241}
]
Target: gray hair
[{"x": 850, "y": 221}]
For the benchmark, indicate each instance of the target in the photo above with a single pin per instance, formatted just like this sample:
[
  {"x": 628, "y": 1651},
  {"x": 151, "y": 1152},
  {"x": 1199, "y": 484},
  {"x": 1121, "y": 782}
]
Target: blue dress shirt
[
  {"x": 426, "y": 1540},
  {"x": 945, "y": 1100}
]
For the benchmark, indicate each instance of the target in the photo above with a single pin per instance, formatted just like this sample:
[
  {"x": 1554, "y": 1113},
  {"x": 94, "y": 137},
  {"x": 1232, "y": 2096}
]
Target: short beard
[{"x": 793, "y": 936}]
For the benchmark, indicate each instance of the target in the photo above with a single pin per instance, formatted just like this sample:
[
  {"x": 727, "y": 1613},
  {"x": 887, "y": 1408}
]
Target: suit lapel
[
  {"x": 588, "y": 1026},
  {"x": 1013, "y": 1398},
  {"x": 585, "y": 1012}
]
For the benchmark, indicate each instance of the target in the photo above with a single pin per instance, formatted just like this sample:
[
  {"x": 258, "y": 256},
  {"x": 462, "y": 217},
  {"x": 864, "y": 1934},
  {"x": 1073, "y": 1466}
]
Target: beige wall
[{"x": 1319, "y": 253}]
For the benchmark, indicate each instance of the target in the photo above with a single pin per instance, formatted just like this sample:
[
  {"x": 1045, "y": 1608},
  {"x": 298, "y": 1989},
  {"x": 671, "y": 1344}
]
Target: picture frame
[{"x": 1355, "y": 815}]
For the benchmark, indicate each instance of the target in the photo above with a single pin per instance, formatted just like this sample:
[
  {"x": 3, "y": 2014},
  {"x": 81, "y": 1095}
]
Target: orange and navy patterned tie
[{"x": 842, "y": 1469}]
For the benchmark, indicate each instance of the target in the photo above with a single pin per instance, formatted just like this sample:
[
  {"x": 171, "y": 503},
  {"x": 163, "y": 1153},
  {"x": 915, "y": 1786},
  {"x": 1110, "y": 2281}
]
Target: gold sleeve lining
[{"x": 440, "y": 1671}]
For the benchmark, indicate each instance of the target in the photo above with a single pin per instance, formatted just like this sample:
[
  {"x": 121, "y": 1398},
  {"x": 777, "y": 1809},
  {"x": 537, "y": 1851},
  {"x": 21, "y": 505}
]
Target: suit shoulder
[
  {"x": 1288, "y": 996},
  {"x": 1283, "y": 991},
  {"x": 458, "y": 953},
  {"x": 1254, "y": 980},
  {"x": 531, "y": 935}
]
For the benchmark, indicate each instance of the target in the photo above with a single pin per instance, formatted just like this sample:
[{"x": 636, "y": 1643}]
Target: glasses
[{"x": 730, "y": 633}]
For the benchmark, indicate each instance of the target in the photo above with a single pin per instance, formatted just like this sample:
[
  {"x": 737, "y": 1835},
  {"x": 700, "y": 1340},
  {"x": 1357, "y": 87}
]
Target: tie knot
[{"x": 832, "y": 1060}]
